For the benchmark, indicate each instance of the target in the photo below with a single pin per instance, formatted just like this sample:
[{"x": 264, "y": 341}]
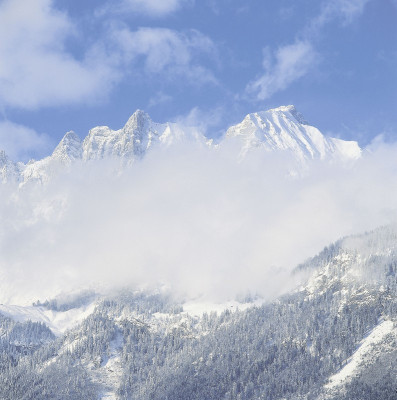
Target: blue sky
[{"x": 72, "y": 65}]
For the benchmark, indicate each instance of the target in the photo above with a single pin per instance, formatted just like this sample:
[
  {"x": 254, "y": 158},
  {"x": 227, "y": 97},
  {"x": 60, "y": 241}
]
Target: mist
[{"x": 193, "y": 220}]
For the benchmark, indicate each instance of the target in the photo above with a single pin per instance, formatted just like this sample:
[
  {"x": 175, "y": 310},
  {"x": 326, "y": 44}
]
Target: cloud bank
[{"x": 194, "y": 220}]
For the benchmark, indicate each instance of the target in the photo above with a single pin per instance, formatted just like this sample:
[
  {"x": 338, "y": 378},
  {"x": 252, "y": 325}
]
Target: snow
[
  {"x": 375, "y": 337},
  {"x": 58, "y": 321},
  {"x": 278, "y": 129}
]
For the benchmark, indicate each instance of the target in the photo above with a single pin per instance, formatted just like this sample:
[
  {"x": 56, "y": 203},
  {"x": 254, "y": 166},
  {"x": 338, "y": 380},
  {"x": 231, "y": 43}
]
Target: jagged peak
[
  {"x": 70, "y": 139},
  {"x": 137, "y": 119},
  {"x": 140, "y": 113},
  {"x": 291, "y": 109},
  {"x": 70, "y": 136},
  {"x": 69, "y": 147}
]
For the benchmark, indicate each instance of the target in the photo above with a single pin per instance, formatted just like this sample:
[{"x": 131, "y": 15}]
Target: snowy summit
[
  {"x": 284, "y": 128},
  {"x": 279, "y": 129}
]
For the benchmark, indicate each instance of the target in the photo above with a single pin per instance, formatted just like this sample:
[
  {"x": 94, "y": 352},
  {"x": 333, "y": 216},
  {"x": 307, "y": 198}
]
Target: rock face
[{"x": 281, "y": 129}]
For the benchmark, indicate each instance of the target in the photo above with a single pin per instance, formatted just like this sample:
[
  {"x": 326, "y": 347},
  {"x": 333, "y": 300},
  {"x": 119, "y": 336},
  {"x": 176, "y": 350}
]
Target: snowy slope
[
  {"x": 364, "y": 354},
  {"x": 285, "y": 129},
  {"x": 58, "y": 321}
]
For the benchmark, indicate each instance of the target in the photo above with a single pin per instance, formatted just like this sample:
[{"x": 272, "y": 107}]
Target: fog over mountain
[
  {"x": 172, "y": 227},
  {"x": 158, "y": 205}
]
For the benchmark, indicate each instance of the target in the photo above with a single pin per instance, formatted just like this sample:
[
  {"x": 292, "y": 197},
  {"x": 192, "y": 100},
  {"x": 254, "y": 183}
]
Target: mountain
[
  {"x": 66, "y": 153},
  {"x": 333, "y": 337},
  {"x": 285, "y": 129},
  {"x": 69, "y": 148},
  {"x": 131, "y": 142},
  {"x": 281, "y": 129}
]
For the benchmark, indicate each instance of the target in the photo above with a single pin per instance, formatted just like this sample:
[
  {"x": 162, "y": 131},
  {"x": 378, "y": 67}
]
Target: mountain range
[{"x": 281, "y": 129}]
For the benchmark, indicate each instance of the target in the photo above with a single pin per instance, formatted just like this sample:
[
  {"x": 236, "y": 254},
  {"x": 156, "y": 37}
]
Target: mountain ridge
[{"x": 281, "y": 129}]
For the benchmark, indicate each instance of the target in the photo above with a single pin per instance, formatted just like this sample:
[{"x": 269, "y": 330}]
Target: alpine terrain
[{"x": 332, "y": 336}]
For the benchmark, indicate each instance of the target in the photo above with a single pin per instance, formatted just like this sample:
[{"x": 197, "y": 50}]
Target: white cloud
[
  {"x": 294, "y": 61},
  {"x": 347, "y": 10},
  {"x": 167, "y": 52},
  {"x": 287, "y": 65},
  {"x": 35, "y": 67},
  {"x": 204, "y": 121},
  {"x": 158, "y": 99},
  {"x": 156, "y": 8},
  {"x": 350, "y": 9},
  {"x": 20, "y": 142}
]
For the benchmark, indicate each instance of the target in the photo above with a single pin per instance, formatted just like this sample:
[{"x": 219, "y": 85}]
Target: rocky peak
[{"x": 69, "y": 148}]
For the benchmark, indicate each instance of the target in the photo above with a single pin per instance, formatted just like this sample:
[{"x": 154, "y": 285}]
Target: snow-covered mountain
[
  {"x": 138, "y": 135},
  {"x": 285, "y": 129},
  {"x": 131, "y": 142},
  {"x": 280, "y": 129},
  {"x": 333, "y": 338},
  {"x": 67, "y": 152},
  {"x": 69, "y": 148}
]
